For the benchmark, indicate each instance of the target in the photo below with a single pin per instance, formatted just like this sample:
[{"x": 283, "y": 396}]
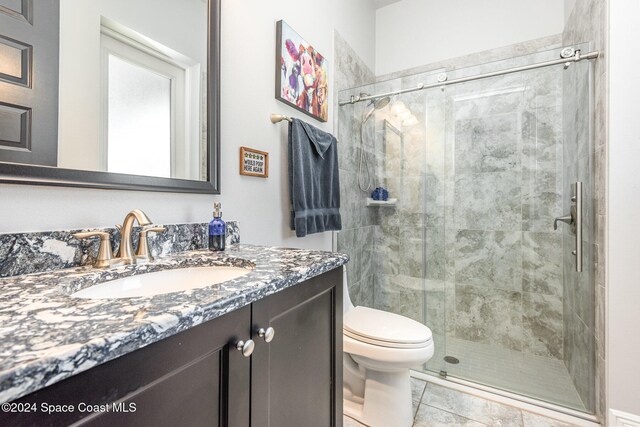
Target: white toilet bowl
[{"x": 379, "y": 348}]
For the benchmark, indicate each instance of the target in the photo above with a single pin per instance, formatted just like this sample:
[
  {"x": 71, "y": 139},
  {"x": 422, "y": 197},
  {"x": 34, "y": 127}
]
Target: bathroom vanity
[{"x": 264, "y": 349}]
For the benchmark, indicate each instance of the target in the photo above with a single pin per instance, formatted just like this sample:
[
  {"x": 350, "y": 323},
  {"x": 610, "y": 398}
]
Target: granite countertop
[{"x": 46, "y": 335}]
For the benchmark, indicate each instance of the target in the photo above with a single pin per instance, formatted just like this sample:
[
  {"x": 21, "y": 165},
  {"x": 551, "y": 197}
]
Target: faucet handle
[
  {"x": 143, "y": 253},
  {"x": 105, "y": 255},
  {"x": 153, "y": 229},
  {"x": 89, "y": 234}
]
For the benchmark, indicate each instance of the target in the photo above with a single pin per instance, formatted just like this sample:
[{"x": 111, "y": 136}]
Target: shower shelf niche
[{"x": 390, "y": 202}]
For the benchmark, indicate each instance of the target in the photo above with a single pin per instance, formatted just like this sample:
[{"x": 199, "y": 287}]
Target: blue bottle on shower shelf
[
  {"x": 217, "y": 230},
  {"x": 380, "y": 193}
]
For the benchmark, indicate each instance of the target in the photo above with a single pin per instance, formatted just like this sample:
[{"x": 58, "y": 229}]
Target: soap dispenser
[{"x": 217, "y": 230}]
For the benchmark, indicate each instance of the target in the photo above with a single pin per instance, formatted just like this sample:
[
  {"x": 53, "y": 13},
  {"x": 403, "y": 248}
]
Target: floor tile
[
  {"x": 535, "y": 420},
  {"x": 428, "y": 416},
  {"x": 350, "y": 422},
  {"x": 441, "y": 406},
  {"x": 417, "y": 390},
  {"x": 471, "y": 407}
]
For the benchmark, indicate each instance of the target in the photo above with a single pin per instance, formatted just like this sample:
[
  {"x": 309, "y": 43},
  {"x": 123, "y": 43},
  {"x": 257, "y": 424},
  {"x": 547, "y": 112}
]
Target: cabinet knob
[
  {"x": 246, "y": 347},
  {"x": 267, "y": 334}
]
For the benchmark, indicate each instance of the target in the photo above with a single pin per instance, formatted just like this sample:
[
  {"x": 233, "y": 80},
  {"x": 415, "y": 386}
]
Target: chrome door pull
[
  {"x": 576, "y": 209},
  {"x": 574, "y": 219}
]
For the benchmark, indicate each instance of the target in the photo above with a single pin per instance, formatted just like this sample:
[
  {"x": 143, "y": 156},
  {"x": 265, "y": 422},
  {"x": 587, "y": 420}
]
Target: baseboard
[{"x": 623, "y": 419}]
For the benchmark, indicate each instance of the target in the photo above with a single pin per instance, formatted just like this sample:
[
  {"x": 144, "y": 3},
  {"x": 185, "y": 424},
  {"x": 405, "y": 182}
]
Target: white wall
[
  {"x": 418, "y": 32},
  {"x": 248, "y": 73},
  {"x": 623, "y": 350}
]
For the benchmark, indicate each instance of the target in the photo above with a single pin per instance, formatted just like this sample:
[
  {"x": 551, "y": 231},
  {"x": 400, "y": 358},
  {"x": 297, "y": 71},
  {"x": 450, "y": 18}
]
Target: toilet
[{"x": 378, "y": 350}]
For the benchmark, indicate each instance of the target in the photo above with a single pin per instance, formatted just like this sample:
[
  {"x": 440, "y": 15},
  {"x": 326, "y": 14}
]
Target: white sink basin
[{"x": 162, "y": 282}]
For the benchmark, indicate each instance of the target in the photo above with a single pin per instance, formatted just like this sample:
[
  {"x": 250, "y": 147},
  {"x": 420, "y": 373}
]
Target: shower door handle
[
  {"x": 576, "y": 208},
  {"x": 574, "y": 219},
  {"x": 567, "y": 219}
]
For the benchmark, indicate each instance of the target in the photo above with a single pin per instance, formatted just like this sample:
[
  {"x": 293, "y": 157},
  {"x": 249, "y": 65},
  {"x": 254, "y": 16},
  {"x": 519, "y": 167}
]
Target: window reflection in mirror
[
  {"x": 133, "y": 87},
  {"x": 139, "y": 110}
]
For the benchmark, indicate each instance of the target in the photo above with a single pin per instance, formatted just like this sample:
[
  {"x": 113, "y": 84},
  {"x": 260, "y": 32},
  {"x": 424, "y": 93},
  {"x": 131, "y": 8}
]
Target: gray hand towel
[{"x": 314, "y": 185}]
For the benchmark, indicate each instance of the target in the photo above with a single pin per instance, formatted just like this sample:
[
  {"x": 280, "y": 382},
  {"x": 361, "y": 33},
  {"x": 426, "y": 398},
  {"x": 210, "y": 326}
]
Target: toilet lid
[{"x": 384, "y": 328}]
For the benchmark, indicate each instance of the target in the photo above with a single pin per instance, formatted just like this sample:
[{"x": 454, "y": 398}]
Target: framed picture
[
  {"x": 301, "y": 74},
  {"x": 254, "y": 162}
]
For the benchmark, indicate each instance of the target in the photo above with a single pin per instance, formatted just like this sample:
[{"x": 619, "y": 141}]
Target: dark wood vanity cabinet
[
  {"x": 296, "y": 379},
  {"x": 186, "y": 379},
  {"x": 199, "y": 378}
]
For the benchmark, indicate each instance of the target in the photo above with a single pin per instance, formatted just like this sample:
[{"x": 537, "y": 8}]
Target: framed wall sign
[
  {"x": 301, "y": 74},
  {"x": 254, "y": 162}
]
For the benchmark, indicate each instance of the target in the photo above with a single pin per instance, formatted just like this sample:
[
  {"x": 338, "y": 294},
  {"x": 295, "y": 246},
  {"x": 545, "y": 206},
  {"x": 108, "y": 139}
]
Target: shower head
[
  {"x": 381, "y": 102},
  {"x": 376, "y": 104}
]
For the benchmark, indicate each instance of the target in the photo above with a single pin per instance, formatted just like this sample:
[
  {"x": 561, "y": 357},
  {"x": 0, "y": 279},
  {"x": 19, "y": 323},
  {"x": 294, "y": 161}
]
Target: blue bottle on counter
[{"x": 217, "y": 230}]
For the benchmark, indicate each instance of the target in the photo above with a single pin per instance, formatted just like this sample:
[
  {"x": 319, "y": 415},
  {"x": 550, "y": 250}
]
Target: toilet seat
[{"x": 385, "y": 329}]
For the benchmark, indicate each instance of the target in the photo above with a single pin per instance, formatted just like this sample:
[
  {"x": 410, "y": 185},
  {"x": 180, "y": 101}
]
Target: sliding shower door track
[
  {"x": 540, "y": 407},
  {"x": 566, "y": 61}
]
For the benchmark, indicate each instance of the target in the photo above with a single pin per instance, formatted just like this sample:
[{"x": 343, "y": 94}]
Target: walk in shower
[{"x": 480, "y": 169}]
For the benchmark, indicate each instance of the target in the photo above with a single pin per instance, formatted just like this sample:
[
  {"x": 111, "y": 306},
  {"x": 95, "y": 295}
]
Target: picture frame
[
  {"x": 302, "y": 80},
  {"x": 254, "y": 162}
]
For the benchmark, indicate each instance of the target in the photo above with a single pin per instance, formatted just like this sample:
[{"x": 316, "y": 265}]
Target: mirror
[{"x": 110, "y": 93}]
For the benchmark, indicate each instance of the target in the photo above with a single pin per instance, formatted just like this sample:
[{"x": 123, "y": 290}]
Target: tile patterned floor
[
  {"x": 539, "y": 377},
  {"x": 437, "y": 406}
]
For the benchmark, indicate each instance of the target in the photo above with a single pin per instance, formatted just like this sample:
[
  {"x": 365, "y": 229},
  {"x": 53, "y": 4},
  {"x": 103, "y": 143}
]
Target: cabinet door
[
  {"x": 194, "y": 378},
  {"x": 296, "y": 379}
]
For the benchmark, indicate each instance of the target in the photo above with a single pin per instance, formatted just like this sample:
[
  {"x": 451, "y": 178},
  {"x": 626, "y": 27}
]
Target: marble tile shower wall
[
  {"x": 503, "y": 186},
  {"x": 358, "y": 222},
  {"x": 579, "y": 300},
  {"x": 478, "y": 181},
  {"x": 587, "y": 132}
]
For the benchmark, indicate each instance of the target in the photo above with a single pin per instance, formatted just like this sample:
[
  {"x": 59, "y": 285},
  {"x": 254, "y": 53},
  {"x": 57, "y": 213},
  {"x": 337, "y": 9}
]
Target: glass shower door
[
  {"x": 410, "y": 235},
  {"x": 436, "y": 289},
  {"x": 517, "y": 311},
  {"x": 480, "y": 171}
]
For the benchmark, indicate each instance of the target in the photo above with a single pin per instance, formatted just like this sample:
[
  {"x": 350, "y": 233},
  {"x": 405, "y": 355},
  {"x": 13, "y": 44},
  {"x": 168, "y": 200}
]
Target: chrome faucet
[{"x": 127, "y": 255}]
